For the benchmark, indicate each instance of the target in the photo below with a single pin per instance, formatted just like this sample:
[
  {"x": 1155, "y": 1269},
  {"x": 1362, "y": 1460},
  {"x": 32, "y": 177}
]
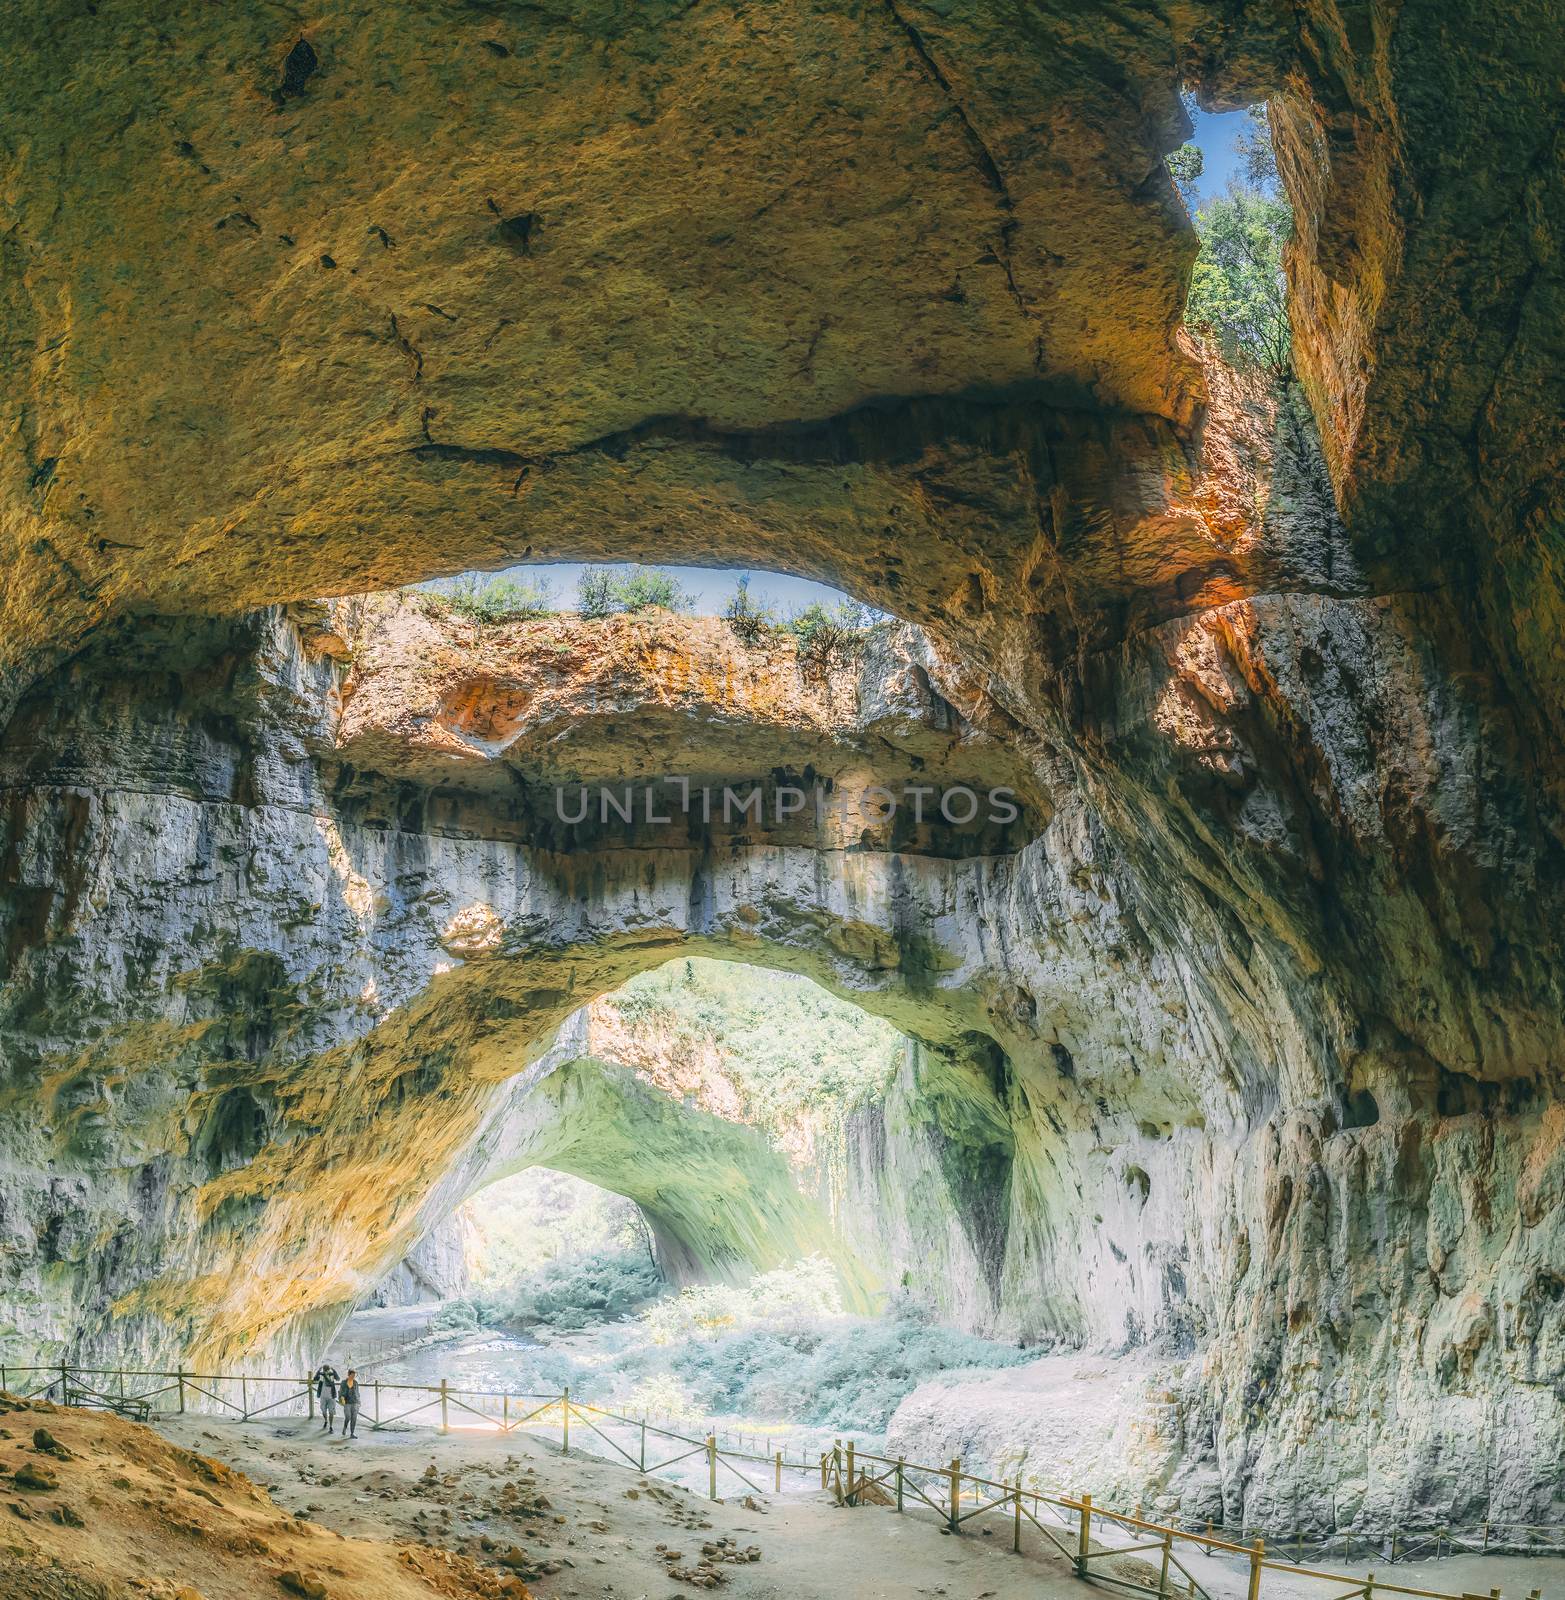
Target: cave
[{"x": 1234, "y": 1003}]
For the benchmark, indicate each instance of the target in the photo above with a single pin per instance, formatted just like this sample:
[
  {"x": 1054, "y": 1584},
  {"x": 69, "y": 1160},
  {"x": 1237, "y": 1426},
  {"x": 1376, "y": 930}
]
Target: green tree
[
  {"x": 749, "y": 617},
  {"x": 602, "y": 592},
  {"x": 1257, "y": 155},
  {"x": 498, "y": 599},
  {"x": 823, "y": 630},
  {"x": 595, "y": 592},
  {"x": 1185, "y": 165},
  {"x": 649, "y": 589},
  {"x": 1238, "y": 292}
]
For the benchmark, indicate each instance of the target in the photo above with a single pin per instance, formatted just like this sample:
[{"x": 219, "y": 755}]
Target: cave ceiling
[{"x": 884, "y": 293}]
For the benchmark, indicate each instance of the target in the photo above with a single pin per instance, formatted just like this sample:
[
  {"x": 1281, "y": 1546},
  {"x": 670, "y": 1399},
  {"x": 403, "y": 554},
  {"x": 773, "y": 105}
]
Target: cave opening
[
  {"x": 1232, "y": 1040},
  {"x": 712, "y": 1165},
  {"x": 1227, "y": 176}
]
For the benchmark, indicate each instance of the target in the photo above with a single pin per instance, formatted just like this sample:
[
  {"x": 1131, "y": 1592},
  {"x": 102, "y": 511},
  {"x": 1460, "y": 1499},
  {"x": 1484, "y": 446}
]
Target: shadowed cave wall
[{"x": 1247, "y": 1043}]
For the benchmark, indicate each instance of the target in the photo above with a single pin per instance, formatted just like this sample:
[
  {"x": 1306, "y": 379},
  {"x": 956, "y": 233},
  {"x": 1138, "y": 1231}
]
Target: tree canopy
[{"x": 1238, "y": 290}]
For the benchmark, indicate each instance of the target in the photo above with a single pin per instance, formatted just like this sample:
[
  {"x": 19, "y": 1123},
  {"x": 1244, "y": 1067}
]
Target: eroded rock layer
[
  {"x": 269, "y": 1019},
  {"x": 1244, "y": 1039}
]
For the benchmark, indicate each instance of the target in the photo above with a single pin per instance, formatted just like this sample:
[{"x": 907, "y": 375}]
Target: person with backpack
[{"x": 325, "y": 1385}]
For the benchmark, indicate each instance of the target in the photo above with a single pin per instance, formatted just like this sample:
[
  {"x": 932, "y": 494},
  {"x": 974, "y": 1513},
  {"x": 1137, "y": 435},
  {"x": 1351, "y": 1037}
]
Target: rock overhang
[{"x": 659, "y": 730}]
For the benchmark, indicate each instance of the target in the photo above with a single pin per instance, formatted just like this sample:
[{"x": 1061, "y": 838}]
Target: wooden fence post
[
  {"x": 565, "y": 1414},
  {"x": 65, "y": 1384},
  {"x": 899, "y": 1483},
  {"x": 377, "y": 1402},
  {"x": 711, "y": 1466},
  {"x": 445, "y": 1414},
  {"x": 1084, "y": 1539},
  {"x": 779, "y": 1472},
  {"x": 853, "y": 1498},
  {"x": 244, "y": 1398},
  {"x": 181, "y": 1377},
  {"x": 1257, "y": 1556},
  {"x": 505, "y": 1413},
  {"x": 1168, "y": 1552},
  {"x": 1016, "y": 1507},
  {"x": 643, "y": 1444},
  {"x": 956, "y": 1492},
  {"x": 309, "y": 1399}
]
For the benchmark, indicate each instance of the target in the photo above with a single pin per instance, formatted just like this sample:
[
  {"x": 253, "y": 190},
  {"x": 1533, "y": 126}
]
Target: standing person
[
  {"x": 325, "y": 1385},
  {"x": 350, "y": 1395}
]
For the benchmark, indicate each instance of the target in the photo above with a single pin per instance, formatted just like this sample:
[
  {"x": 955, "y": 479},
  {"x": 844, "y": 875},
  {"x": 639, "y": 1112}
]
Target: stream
[{"x": 594, "y": 1363}]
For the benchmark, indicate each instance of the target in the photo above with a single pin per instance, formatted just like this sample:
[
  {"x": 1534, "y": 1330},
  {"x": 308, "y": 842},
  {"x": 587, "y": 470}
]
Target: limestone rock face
[
  {"x": 1243, "y": 1043},
  {"x": 434, "y": 1269},
  {"x": 258, "y": 1004},
  {"x": 890, "y": 289}
]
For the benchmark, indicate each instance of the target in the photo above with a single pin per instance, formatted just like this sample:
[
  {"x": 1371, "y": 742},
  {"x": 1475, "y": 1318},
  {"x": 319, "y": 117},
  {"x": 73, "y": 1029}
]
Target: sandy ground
[
  {"x": 603, "y": 1524},
  {"x": 409, "y": 1515}
]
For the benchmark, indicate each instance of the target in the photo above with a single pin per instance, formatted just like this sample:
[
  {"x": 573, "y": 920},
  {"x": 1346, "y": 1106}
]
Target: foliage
[
  {"x": 750, "y": 619},
  {"x": 603, "y": 592},
  {"x": 1185, "y": 165},
  {"x": 778, "y": 1349},
  {"x": 852, "y": 1372},
  {"x": 808, "y": 1288},
  {"x": 822, "y": 630},
  {"x": 789, "y": 1047},
  {"x": 1257, "y": 154},
  {"x": 1238, "y": 293},
  {"x": 498, "y": 599},
  {"x": 595, "y": 592},
  {"x": 576, "y": 1291},
  {"x": 522, "y": 1222}
]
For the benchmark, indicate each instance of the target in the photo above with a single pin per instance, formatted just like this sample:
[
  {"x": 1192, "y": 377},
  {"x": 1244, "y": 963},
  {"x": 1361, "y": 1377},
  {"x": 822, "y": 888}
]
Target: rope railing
[{"x": 853, "y": 1477}]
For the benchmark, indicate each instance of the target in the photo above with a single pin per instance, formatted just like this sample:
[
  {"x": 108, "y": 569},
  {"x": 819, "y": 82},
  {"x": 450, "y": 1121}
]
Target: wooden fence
[{"x": 1074, "y": 1529}]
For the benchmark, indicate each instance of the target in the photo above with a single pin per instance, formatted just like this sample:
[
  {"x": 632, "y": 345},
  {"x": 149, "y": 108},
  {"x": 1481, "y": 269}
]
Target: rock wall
[
  {"x": 434, "y": 1269},
  {"x": 264, "y": 1012},
  {"x": 1246, "y": 1040}
]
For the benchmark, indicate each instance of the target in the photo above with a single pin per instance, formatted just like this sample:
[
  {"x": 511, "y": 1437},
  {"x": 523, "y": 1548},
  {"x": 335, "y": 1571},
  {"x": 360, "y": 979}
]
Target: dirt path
[
  {"x": 602, "y": 1526},
  {"x": 614, "y": 1520},
  {"x": 409, "y": 1515}
]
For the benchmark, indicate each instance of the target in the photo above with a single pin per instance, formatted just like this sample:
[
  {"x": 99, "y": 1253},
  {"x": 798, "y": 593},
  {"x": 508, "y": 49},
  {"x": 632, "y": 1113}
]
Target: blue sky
[
  {"x": 1215, "y": 132},
  {"x": 710, "y": 587}
]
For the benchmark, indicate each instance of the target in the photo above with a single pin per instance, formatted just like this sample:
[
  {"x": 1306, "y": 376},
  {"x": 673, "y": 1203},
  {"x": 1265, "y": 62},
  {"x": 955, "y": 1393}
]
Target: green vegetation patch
[{"x": 791, "y": 1049}]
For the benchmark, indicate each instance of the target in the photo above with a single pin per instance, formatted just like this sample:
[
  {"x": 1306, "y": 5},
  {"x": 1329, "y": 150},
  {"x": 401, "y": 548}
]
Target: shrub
[
  {"x": 750, "y": 619},
  {"x": 595, "y": 592},
  {"x": 601, "y": 592},
  {"x": 780, "y": 1347},
  {"x": 824, "y": 631},
  {"x": 576, "y": 1291},
  {"x": 503, "y": 599}
]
